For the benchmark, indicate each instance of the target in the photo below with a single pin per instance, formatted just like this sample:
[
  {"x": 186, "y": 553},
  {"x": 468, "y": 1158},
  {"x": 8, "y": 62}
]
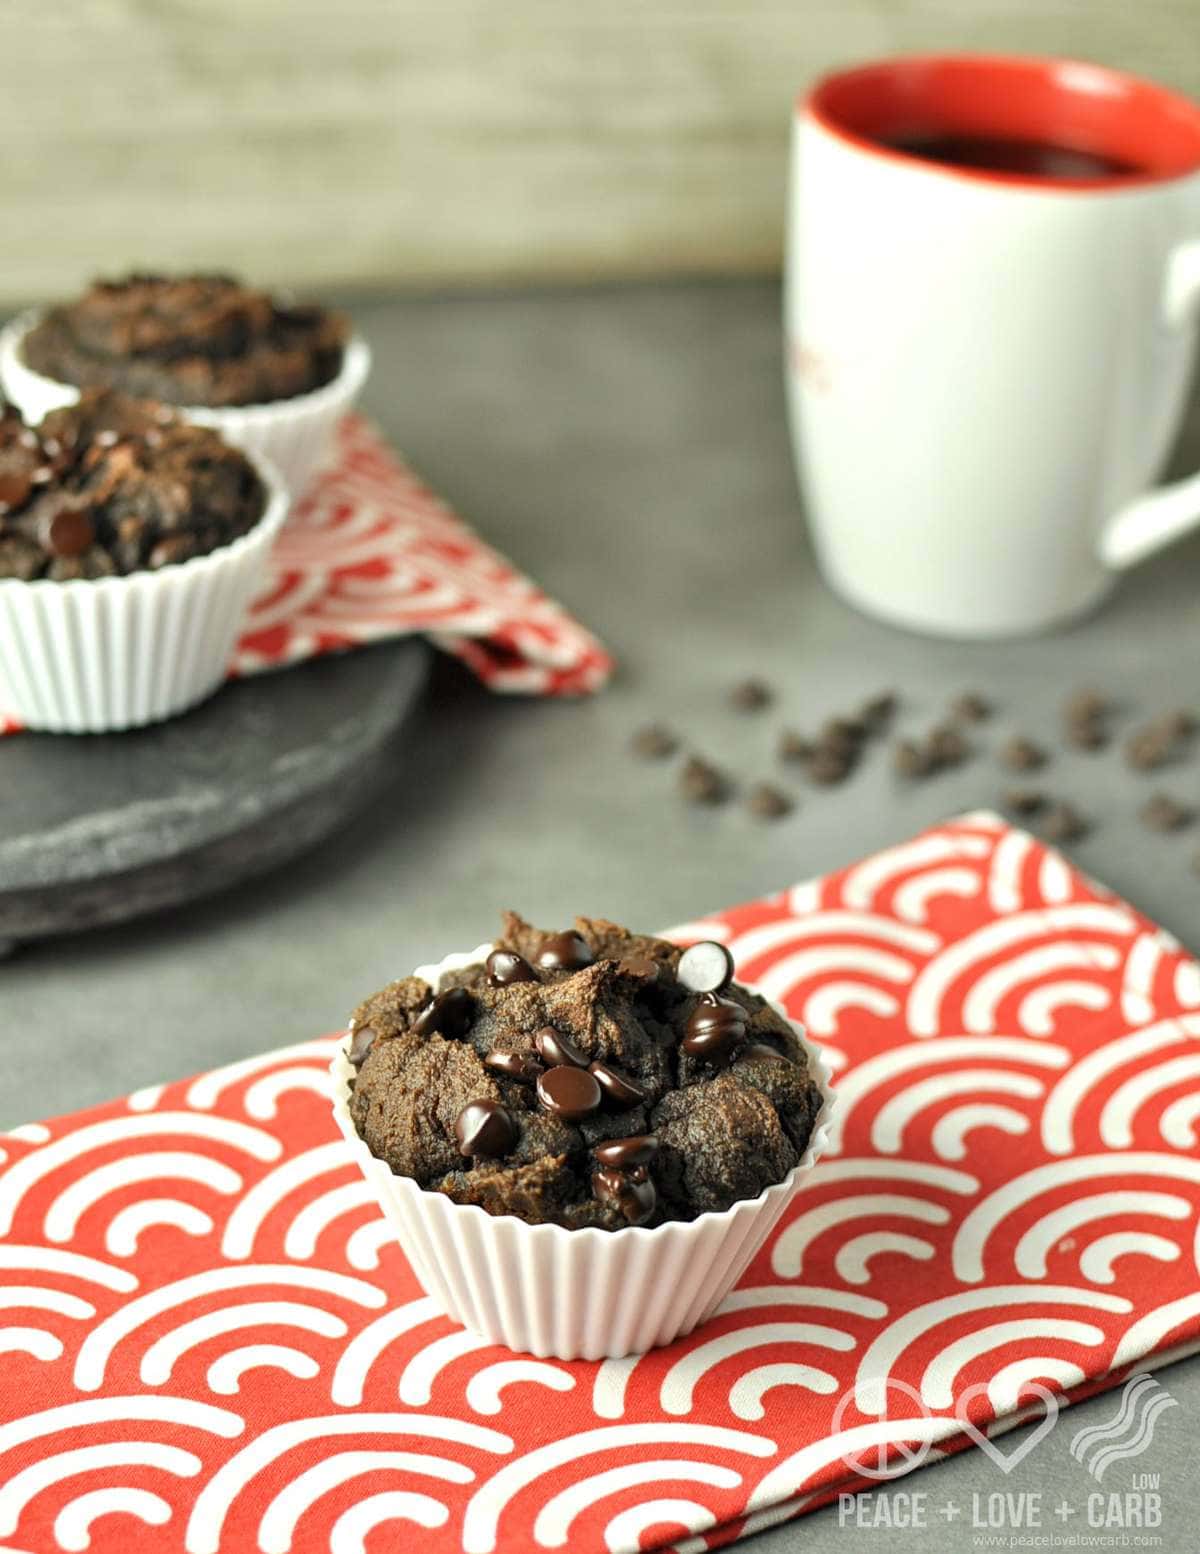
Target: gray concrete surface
[{"x": 628, "y": 447}]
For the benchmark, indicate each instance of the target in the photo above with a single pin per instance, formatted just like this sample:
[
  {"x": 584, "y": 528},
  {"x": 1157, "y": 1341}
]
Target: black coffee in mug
[{"x": 999, "y": 154}]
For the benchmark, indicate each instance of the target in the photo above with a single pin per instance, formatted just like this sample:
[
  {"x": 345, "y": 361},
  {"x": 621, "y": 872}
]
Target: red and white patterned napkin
[
  {"x": 211, "y": 1344},
  {"x": 371, "y": 553}
]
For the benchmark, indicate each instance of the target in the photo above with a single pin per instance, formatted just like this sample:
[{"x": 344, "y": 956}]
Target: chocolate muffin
[
  {"x": 188, "y": 340},
  {"x": 593, "y": 1077},
  {"x": 114, "y": 485}
]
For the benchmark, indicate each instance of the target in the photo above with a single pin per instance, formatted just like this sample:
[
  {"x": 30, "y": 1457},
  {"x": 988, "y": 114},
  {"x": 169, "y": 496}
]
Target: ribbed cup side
[{"x": 572, "y": 1294}]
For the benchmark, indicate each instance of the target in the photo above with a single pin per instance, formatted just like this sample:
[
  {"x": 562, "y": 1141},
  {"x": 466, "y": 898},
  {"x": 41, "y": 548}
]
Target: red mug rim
[{"x": 1060, "y": 101}]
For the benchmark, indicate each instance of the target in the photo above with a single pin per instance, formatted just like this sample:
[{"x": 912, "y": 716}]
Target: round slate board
[{"x": 97, "y": 828}]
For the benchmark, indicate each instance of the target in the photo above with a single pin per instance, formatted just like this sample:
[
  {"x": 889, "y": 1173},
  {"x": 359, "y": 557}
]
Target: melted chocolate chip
[
  {"x": 361, "y": 1041},
  {"x": 622, "y": 1153},
  {"x": 714, "y": 1028},
  {"x": 565, "y": 952},
  {"x": 504, "y": 967},
  {"x": 569, "y": 1093},
  {"x": 555, "y": 1049},
  {"x": 616, "y": 1087},
  {"x": 636, "y": 1200},
  {"x": 449, "y": 1013},
  {"x": 485, "y": 1129},
  {"x": 67, "y": 531},
  {"x": 706, "y": 967},
  {"x": 524, "y": 1067},
  {"x": 760, "y": 1049}
]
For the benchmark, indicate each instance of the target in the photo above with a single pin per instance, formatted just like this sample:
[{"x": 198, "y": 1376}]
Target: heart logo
[{"x": 1006, "y": 1461}]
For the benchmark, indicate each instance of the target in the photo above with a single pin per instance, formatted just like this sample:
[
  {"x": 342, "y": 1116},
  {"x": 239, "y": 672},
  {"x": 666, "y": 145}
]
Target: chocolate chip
[
  {"x": 760, "y": 1049},
  {"x": 879, "y": 711},
  {"x": 620, "y": 1154},
  {"x": 843, "y": 735},
  {"x": 1086, "y": 705},
  {"x": 970, "y": 708},
  {"x": 15, "y": 489},
  {"x": 947, "y": 747},
  {"x": 1024, "y": 801},
  {"x": 555, "y": 1049},
  {"x": 362, "y": 1039},
  {"x": 449, "y": 1013},
  {"x": 617, "y": 1088},
  {"x": 1062, "y": 822},
  {"x": 1022, "y": 755},
  {"x": 67, "y": 531},
  {"x": 641, "y": 967},
  {"x": 635, "y": 1199},
  {"x": 828, "y": 765},
  {"x": 794, "y": 746},
  {"x": 1163, "y": 813},
  {"x": 485, "y": 1130},
  {"x": 565, "y": 952},
  {"x": 504, "y": 967},
  {"x": 751, "y": 696},
  {"x": 524, "y": 1067},
  {"x": 654, "y": 742},
  {"x": 1087, "y": 734},
  {"x": 701, "y": 783},
  {"x": 706, "y": 967},
  {"x": 911, "y": 759},
  {"x": 1149, "y": 748},
  {"x": 768, "y": 802},
  {"x": 714, "y": 1028},
  {"x": 1180, "y": 724},
  {"x": 569, "y": 1093}
]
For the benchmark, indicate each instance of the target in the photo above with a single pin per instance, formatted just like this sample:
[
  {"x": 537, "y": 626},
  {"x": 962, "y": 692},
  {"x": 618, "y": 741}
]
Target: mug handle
[{"x": 1167, "y": 512}]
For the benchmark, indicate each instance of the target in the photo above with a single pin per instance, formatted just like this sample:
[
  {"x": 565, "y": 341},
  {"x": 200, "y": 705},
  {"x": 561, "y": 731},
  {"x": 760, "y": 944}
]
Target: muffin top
[
  {"x": 114, "y": 485},
  {"x": 188, "y": 340},
  {"x": 593, "y": 1077}
]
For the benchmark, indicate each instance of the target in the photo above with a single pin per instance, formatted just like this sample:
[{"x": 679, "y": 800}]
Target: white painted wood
[{"x": 431, "y": 141}]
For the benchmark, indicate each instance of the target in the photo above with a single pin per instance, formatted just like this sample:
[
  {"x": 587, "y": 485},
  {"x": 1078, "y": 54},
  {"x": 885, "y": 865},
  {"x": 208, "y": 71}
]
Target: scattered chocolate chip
[
  {"x": 1180, "y": 724},
  {"x": 947, "y": 747},
  {"x": 506, "y": 966},
  {"x": 828, "y": 766},
  {"x": 714, "y": 1028},
  {"x": 1149, "y": 748},
  {"x": 794, "y": 746},
  {"x": 569, "y": 1093},
  {"x": 701, "y": 783},
  {"x": 843, "y": 735},
  {"x": 361, "y": 1040},
  {"x": 768, "y": 802},
  {"x": 620, "y": 1154},
  {"x": 617, "y": 1088},
  {"x": 706, "y": 967},
  {"x": 67, "y": 530},
  {"x": 635, "y": 1198},
  {"x": 485, "y": 1130},
  {"x": 524, "y": 1067},
  {"x": 1087, "y": 735},
  {"x": 654, "y": 742},
  {"x": 1062, "y": 822},
  {"x": 1163, "y": 813},
  {"x": 879, "y": 711},
  {"x": 1022, "y": 755},
  {"x": 555, "y": 1049},
  {"x": 1085, "y": 705},
  {"x": 911, "y": 759},
  {"x": 760, "y": 1049},
  {"x": 1024, "y": 801},
  {"x": 449, "y": 1013},
  {"x": 752, "y": 696},
  {"x": 970, "y": 708},
  {"x": 565, "y": 952}
]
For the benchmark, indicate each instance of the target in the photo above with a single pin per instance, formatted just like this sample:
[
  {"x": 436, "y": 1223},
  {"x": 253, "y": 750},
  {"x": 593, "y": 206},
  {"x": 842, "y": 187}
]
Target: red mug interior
[{"x": 1143, "y": 133}]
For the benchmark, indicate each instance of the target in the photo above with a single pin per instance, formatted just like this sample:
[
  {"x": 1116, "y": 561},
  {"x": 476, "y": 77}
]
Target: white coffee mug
[{"x": 986, "y": 369}]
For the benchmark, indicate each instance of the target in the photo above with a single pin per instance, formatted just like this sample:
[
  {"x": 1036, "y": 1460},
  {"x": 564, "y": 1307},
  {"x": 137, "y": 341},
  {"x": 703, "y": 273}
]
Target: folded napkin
[
  {"x": 371, "y": 553},
  {"x": 214, "y": 1344}
]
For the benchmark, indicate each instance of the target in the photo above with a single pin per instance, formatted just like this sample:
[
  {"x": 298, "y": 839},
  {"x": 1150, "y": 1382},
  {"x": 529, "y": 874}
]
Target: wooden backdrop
[{"x": 454, "y": 141}]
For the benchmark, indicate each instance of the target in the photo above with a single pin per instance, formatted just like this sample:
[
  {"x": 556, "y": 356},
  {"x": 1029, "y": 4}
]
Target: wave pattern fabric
[
  {"x": 371, "y": 553},
  {"x": 209, "y": 1341}
]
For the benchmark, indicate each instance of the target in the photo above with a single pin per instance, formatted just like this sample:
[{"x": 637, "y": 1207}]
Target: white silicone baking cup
[
  {"x": 573, "y": 1294},
  {"x": 295, "y": 435},
  {"x": 98, "y": 655}
]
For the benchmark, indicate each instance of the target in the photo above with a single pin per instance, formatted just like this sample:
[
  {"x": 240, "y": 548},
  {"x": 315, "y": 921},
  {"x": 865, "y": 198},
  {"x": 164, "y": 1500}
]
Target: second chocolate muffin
[{"x": 595, "y": 1077}]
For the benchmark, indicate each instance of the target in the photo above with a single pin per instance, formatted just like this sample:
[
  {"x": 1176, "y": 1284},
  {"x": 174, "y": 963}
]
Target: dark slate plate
[{"x": 97, "y": 828}]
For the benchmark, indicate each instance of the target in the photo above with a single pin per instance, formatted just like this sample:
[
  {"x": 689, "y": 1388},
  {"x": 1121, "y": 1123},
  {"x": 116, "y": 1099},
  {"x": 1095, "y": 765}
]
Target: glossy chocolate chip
[
  {"x": 449, "y": 1013},
  {"x": 525, "y": 1067},
  {"x": 67, "y": 531},
  {"x": 485, "y": 1129},
  {"x": 635, "y": 1200},
  {"x": 565, "y": 952},
  {"x": 622, "y": 1153},
  {"x": 361, "y": 1041},
  {"x": 569, "y": 1093},
  {"x": 504, "y": 967},
  {"x": 641, "y": 967},
  {"x": 706, "y": 967},
  {"x": 618, "y": 1089},
  {"x": 714, "y": 1028},
  {"x": 555, "y": 1049},
  {"x": 760, "y": 1049}
]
